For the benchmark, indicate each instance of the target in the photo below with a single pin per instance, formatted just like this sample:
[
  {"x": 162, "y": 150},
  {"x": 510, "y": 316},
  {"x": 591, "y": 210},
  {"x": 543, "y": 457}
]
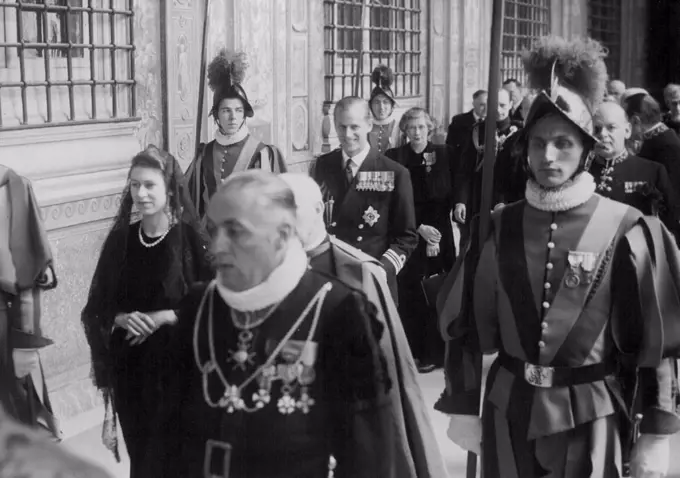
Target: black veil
[{"x": 189, "y": 264}]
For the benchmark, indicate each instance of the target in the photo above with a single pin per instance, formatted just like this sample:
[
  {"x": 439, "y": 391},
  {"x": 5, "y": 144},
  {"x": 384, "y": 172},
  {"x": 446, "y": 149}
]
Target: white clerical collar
[
  {"x": 383, "y": 122},
  {"x": 275, "y": 288},
  {"x": 358, "y": 159},
  {"x": 237, "y": 137},
  {"x": 568, "y": 196}
]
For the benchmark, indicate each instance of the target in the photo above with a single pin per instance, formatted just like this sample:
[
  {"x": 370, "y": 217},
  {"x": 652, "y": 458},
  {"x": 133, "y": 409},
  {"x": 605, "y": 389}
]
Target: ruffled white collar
[
  {"x": 275, "y": 288},
  {"x": 568, "y": 196},
  {"x": 387, "y": 120},
  {"x": 237, "y": 137}
]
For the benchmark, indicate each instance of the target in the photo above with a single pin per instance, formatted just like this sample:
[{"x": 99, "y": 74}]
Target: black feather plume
[
  {"x": 382, "y": 76},
  {"x": 578, "y": 64},
  {"x": 227, "y": 68}
]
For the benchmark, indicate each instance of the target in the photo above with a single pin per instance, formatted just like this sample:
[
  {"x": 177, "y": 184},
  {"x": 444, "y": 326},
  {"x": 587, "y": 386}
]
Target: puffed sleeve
[
  {"x": 646, "y": 295},
  {"x": 485, "y": 301},
  {"x": 357, "y": 385}
]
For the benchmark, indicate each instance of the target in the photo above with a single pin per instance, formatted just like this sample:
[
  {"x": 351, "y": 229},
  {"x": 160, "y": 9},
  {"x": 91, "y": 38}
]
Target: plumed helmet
[
  {"x": 225, "y": 75},
  {"x": 571, "y": 78},
  {"x": 382, "y": 77}
]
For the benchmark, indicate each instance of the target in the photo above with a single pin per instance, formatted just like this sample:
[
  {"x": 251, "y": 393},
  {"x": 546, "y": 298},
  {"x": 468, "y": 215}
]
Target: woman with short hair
[{"x": 432, "y": 170}]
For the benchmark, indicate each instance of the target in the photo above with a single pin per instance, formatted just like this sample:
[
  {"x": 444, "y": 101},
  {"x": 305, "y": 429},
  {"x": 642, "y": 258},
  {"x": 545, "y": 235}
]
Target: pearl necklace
[{"x": 149, "y": 245}]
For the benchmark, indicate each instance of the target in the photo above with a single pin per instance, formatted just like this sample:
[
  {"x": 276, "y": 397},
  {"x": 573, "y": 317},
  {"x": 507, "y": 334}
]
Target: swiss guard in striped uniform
[
  {"x": 234, "y": 149},
  {"x": 577, "y": 294},
  {"x": 385, "y": 133}
]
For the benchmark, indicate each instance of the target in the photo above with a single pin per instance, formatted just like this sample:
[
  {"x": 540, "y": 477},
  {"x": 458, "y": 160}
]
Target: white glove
[
  {"x": 466, "y": 432},
  {"x": 651, "y": 456}
]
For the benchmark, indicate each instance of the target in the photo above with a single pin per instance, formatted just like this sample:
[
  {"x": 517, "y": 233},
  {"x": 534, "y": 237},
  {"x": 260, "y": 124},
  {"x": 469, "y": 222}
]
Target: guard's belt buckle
[
  {"x": 539, "y": 376},
  {"x": 212, "y": 460}
]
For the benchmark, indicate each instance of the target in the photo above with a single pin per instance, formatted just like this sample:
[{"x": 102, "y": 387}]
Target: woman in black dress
[
  {"x": 144, "y": 270},
  {"x": 432, "y": 171}
]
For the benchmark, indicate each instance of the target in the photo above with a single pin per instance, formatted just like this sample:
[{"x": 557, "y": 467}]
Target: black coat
[
  {"x": 468, "y": 184},
  {"x": 345, "y": 376},
  {"x": 643, "y": 184},
  {"x": 664, "y": 148},
  {"x": 432, "y": 195},
  {"x": 459, "y": 133},
  {"x": 674, "y": 125},
  {"x": 380, "y": 223}
]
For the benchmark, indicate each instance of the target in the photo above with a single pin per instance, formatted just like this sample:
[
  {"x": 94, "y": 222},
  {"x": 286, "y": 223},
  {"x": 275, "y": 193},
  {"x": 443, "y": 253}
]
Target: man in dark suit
[
  {"x": 514, "y": 87},
  {"x": 461, "y": 125},
  {"x": 659, "y": 143},
  {"x": 468, "y": 183},
  {"x": 629, "y": 179},
  {"x": 368, "y": 197}
]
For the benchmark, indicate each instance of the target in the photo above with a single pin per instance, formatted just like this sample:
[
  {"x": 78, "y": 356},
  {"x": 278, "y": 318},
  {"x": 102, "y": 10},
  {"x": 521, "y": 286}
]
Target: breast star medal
[{"x": 371, "y": 216}]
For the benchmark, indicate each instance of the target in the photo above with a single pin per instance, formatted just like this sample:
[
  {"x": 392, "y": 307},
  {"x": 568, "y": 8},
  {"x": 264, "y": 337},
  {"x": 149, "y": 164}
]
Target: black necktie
[{"x": 349, "y": 174}]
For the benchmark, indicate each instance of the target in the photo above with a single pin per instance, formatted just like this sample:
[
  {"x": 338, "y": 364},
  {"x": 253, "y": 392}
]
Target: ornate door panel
[{"x": 183, "y": 22}]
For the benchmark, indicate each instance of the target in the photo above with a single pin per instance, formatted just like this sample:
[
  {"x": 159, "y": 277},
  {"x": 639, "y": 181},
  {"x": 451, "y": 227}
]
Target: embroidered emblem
[
  {"x": 538, "y": 376},
  {"x": 429, "y": 160},
  {"x": 631, "y": 187},
  {"x": 380, "y": 181},
  {"x": 581, "y": 268},
  {"x": 371, "y": 216}
]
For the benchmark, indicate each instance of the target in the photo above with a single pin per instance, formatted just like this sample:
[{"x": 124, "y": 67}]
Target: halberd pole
[{"x": 489, "y": 156}]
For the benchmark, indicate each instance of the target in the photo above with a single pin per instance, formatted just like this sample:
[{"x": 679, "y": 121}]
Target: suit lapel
[{"x": 333, "y": 181}]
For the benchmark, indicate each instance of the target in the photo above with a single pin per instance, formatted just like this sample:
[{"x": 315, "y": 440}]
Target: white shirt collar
[
  {"x": 357, "y": 160},
  {"x": 477, "y": 118}
]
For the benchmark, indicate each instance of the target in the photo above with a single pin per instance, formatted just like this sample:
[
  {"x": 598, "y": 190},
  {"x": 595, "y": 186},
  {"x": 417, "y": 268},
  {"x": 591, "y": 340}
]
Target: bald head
[
  {"x": 615, "y": 89},
  {"x": 612, "y": 129},
  {"x": 504, "y": 104},
  {"x": 310, "y": 207}
]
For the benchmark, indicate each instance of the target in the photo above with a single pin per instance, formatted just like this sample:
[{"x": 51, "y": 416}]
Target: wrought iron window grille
[
  {"x": 524, "y": 21},
  {"x": 604, "y": 25},
  {"x": 361, "y": 34},
  {"x": 66, "y": 62}
]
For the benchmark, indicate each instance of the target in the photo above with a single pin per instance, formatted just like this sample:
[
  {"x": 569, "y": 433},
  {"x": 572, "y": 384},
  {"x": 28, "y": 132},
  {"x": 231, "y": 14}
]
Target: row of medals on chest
[{"x": 296, "y": 372}]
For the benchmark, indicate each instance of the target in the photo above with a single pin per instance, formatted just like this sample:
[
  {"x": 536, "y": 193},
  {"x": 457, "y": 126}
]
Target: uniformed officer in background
[{"x": 368, "y": 197}]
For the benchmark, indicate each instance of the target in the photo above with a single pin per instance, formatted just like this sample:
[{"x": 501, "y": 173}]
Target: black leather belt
[{"x": 548, "y": 377}]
